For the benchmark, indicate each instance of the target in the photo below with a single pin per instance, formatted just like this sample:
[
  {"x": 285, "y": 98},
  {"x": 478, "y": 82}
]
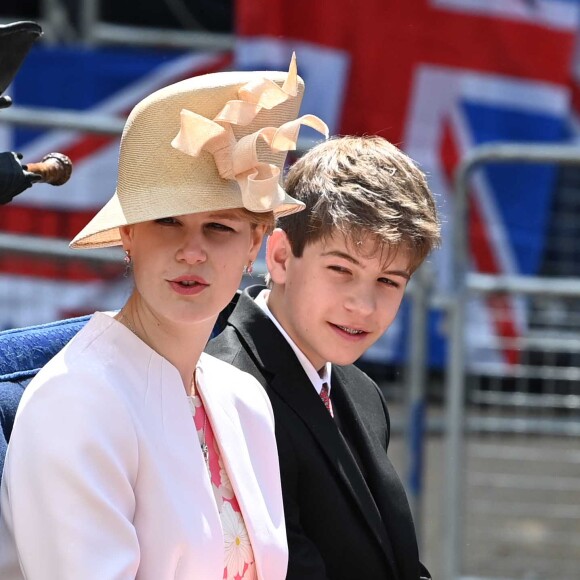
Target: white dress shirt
[{"x": 317, "y": 379}]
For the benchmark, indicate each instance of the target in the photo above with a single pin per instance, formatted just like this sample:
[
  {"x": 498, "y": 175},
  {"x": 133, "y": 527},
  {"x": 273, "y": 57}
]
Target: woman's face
[{"x": 187, "y": 268}]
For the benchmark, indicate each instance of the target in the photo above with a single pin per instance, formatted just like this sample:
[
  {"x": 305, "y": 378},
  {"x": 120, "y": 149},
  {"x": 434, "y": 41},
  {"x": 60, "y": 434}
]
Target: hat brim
[
  {"x": 157, "y": 180},
  {"x": 98, "y": 233}
]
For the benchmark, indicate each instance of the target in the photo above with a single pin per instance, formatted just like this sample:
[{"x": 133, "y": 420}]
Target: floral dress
[{"x": 239, "y": 557}]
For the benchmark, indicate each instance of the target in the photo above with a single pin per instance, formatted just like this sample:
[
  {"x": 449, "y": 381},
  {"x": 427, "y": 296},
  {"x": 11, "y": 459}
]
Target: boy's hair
[{"x": 365, "y": 188}]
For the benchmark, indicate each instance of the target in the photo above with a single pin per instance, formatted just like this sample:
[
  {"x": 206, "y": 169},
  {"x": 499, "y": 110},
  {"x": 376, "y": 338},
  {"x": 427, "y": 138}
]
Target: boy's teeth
[
  {"x": 349, "y": 330},
  {"x": 187, "y": 283}
]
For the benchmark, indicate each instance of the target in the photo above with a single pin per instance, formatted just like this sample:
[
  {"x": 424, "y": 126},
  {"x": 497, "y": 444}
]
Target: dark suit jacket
[{"x": 347, "y": 514}]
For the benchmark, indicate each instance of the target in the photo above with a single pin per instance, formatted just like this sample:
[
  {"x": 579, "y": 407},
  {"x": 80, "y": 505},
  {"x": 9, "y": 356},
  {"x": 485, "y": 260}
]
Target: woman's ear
[
  {"x": 126, "y": 236},
  {"x": 278, "y": 252},
  {"x": 257, "y": 233}
]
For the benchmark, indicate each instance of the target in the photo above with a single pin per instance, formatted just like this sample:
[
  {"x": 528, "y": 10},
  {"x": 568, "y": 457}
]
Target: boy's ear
[{"x": 278, "y": 251}]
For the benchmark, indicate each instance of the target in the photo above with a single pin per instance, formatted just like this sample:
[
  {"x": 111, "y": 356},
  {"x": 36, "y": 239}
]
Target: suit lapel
[
  {"x": 287, "y": 378},
  {"x": 333, "y": 445}
]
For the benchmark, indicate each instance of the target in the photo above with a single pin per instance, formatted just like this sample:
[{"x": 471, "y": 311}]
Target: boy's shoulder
[
  {"x": 352, "y": 374},
  {"x": 365, "y": 395},
  {"x": 361, "y": 388},
  {"x": 225, "y": 345}
]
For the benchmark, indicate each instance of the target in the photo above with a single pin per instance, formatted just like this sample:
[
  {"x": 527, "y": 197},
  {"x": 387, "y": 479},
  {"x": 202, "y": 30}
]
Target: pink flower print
[{"x": 226, "y": 487}]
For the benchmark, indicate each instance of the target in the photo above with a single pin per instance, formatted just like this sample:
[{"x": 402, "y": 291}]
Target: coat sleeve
[{"x": 67, "y": 502}]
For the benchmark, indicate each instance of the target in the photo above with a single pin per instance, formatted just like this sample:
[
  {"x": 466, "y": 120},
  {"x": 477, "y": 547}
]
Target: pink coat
[{"x": 104, "y": 476}]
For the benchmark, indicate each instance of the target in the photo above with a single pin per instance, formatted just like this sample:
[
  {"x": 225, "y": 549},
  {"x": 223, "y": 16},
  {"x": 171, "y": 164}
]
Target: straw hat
[{"x": 208, "y": 143}]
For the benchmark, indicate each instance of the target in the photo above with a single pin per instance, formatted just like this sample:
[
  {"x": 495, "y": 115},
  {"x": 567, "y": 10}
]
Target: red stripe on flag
[
  {"x": 38, "y": 221},
  {"x": 88, "y": 145},
  {"x": 575, "y": 89},
  {"x": 389, "y": 41},
  {"x": 50, "y": 223}
]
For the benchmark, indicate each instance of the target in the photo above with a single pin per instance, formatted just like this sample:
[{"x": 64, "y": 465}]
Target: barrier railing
[{"x": 465, "y": 284}]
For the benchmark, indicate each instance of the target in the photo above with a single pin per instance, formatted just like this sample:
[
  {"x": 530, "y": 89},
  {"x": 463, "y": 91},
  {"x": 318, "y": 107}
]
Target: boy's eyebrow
[{"x": 349, "y": 258}]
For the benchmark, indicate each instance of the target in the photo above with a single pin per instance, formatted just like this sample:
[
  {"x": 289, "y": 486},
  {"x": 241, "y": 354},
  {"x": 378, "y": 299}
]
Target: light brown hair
[
  {"x": 364, "y": 188},
  {"x": 256, "y": 219}
]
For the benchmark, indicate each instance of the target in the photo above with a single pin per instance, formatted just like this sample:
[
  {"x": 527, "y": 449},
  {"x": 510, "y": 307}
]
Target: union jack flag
[{"x": 438, "y": 77}]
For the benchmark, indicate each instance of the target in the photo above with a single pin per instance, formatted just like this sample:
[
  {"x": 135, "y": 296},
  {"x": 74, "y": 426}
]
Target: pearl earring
[{"x": 249, "y": 268}]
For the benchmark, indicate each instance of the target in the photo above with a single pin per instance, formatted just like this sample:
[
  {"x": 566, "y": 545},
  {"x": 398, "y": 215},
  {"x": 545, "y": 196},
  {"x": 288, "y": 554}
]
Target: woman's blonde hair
[{"x": 265, "y": 219}]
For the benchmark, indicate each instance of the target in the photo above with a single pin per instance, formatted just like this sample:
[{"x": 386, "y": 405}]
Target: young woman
[{"x": 134, "y": 455}]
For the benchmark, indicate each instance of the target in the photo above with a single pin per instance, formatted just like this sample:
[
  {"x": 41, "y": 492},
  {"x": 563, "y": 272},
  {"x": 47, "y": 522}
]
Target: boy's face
[{"x": 337, "y": 299}]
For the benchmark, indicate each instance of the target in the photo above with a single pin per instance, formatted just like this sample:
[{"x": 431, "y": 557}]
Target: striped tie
[{"x": 325, "y": 396}]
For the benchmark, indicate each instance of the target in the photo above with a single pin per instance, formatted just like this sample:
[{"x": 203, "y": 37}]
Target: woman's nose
[{"x": 192, "y": 249}]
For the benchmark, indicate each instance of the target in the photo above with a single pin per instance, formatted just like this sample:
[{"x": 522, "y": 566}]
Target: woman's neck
[{"x": 181, "y": 344}]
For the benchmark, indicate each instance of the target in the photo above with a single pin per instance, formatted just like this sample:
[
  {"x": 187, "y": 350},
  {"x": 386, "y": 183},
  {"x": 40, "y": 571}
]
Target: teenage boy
[{"x": 337, "y": 274}]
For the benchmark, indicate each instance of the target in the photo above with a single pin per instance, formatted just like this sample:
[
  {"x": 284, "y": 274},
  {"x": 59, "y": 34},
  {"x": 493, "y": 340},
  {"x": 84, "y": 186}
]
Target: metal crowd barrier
[{"x": 524, "y": 467}]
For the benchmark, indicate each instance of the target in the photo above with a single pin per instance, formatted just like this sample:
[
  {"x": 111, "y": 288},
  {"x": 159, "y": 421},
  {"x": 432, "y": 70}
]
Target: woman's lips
[{"x": 188, "y": 285}]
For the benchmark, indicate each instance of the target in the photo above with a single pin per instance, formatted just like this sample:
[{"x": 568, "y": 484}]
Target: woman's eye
[{"x": 219, "y": 227}]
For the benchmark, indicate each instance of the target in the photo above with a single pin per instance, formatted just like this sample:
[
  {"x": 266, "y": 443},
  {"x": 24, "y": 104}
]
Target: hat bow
[{"x": 258, "y": 181}]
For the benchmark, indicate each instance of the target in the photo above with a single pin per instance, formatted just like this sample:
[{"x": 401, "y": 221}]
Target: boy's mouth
[{"x": 348, "y": 330}]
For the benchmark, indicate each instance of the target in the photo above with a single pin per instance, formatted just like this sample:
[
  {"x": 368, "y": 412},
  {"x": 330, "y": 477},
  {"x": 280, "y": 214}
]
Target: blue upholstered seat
[{"x": 23, "y": 351}]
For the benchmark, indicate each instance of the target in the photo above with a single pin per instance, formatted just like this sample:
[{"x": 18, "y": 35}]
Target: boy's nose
[{"x": 362, "y": 301}]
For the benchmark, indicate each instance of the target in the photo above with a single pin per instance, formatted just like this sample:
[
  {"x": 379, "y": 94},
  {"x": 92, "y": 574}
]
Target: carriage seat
[{"x": 23, "y": 351}]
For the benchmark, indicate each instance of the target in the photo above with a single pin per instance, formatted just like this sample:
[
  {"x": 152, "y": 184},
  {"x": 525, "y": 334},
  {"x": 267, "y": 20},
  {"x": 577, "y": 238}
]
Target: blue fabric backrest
[{"x": 23, "y": 351}]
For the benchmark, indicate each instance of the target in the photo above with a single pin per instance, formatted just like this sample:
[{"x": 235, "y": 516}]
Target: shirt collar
[{"x": 316, "y": 379}]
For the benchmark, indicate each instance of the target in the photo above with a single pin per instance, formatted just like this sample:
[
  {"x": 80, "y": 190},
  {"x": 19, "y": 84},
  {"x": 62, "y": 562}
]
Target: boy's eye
[
  {"x": 166, "y": 221},
  {"x": 340, "y": 269},
  {"x": 389, "y": 282}
]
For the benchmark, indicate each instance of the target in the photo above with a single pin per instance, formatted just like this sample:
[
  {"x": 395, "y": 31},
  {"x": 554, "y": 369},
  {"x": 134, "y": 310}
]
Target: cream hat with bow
[{"x": 208, "y": 143}]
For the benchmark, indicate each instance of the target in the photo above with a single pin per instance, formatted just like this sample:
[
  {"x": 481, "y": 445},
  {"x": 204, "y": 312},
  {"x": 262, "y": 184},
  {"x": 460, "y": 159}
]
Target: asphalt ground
[{"x": 520, "y": 505}]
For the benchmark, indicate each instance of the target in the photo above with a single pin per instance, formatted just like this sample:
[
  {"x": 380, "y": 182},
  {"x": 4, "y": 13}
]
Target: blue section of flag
[
  {"x": 78, "y": 78},
  {"x": 522, "y": 192}
]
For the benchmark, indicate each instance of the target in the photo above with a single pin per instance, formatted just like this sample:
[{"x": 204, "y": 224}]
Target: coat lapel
[
  {"x": 236, "y": 453},
  {"x": 276, "y": 359},
  {"x": 383, "y": 480}
]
